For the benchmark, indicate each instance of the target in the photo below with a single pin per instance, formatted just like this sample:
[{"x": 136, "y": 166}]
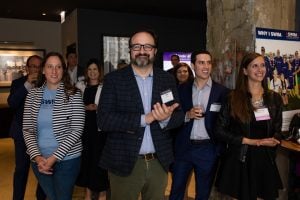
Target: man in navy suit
[
  {"x": 137, "y": 108},
  {"x": 195, "y": 145},
  {"x": 16, "y": 99}
]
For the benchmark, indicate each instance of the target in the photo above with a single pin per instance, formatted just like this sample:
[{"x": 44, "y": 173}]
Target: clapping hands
[{"x": 160, "y": 112}]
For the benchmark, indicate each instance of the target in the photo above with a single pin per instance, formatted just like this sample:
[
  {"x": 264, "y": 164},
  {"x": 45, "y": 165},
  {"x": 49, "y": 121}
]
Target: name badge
[
  {"x": 215, "y": 107},
  {"x": 166, "y": 96},
  {"x": 262, "y": 114}
]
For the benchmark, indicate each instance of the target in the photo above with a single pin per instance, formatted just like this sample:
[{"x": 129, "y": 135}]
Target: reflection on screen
[{"x": 184, "y": 57}]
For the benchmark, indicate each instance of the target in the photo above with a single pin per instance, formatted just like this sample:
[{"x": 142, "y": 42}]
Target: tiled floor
[{"x": 6, "y": 174}]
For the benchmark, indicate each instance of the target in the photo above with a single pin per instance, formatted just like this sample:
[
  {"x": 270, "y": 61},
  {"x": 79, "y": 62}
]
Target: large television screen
[{"x": 184, "y": 57}]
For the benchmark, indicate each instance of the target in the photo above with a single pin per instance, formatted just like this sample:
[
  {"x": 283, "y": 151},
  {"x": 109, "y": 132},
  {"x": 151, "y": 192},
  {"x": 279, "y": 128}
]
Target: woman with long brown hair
[
  {"x": 183, "y": 73},
  {"x": 92, "y": 177},
  {"x": 52, "y": 127},
  {"x": 250, "y": 124}
]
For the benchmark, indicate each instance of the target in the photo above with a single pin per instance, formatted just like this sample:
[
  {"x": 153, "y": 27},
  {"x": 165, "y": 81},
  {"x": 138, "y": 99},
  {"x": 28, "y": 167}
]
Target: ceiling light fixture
[
  {"x": 62, "y": 16},
  {"x": 44, "y": 14},
  {"x": 15, "y": 43}
]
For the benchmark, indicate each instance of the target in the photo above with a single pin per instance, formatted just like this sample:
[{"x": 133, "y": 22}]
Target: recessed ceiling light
[
  {"x": 44, "y": 14},
  {"x": 62, "y": 16}
]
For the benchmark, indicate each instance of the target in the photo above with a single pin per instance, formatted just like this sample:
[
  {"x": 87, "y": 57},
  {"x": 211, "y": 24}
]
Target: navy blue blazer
[
  {"x": 119, "y": 114},
  {"x": 16, "y": 101},
  {"x": 217, "y": 95}
]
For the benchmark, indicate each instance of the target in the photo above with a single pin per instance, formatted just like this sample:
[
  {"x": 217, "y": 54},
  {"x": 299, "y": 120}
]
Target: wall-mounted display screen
[{"x": 183, "y": 56}]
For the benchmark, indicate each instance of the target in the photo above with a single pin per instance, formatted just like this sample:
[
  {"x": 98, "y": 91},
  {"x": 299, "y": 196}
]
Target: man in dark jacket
[
  {"x": 138, "y": 106},
  {"x": 16, "y": 99},
  {"x": 195, "y": 146}
]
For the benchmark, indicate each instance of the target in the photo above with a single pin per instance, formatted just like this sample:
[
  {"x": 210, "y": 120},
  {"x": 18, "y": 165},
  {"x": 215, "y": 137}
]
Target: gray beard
[{"x": 142, "y": 62}]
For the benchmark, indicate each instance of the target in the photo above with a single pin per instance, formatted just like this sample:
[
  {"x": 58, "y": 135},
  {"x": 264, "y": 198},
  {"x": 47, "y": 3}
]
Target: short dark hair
[
  {"x": 71, "y": 52},
  {"x": 150, "y": 32},
  {"x": 197, "y": 52},
  {"x": 33, "y": 56},
  {"x": 175, "y": 55}
]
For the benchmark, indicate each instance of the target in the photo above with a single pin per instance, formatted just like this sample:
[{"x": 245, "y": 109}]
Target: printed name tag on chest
[
  {"x": 262, "y": 114},
  {"x": 166, "y": 96},
  {"x": 215, "y": 107}
]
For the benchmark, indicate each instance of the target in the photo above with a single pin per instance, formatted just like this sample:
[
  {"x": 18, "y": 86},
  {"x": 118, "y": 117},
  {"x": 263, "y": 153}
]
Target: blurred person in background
[
  {"x": 16, "y": 99},
  {"x": 91, "y": 176},
  {"x": 75, "y": 71},
  {"x": 183, "y": 73},
  {"x": 174, "y": 61}
]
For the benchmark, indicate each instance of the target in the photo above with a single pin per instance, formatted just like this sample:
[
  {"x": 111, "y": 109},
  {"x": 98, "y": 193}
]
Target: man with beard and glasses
[{"x": 137, "y": 108}]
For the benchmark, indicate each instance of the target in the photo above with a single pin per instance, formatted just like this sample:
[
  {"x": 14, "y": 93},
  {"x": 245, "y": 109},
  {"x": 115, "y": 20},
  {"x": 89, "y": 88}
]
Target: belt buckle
[{"x": 149, "y": 156}]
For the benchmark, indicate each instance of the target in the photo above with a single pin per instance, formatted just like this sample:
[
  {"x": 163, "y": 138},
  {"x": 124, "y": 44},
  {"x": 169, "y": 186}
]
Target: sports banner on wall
[{"x": 280, "y": 49}]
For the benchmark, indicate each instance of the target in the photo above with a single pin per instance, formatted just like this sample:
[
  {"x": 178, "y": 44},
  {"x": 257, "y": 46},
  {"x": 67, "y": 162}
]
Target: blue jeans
[
  {"x": 59, "y": 185},
  {"x": 22, "y": 161}
]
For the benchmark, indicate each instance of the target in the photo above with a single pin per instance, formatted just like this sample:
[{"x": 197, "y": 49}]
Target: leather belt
[
  {"x": 199, "y": 142},
  {"x": 148, "y": 156}
]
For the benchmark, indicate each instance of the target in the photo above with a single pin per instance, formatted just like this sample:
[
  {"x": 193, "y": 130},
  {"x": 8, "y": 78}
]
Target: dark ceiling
[{"x": 32, "y": 9}]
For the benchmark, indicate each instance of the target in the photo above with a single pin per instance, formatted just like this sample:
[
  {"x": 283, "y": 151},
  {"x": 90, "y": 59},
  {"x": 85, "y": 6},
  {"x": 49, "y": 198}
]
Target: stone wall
[
  {"x": 228, "y": 21},
  {"x": 277, "y": 14},
  {"x": 231, "y": 30},
  {"x": 235, "y": 20}
]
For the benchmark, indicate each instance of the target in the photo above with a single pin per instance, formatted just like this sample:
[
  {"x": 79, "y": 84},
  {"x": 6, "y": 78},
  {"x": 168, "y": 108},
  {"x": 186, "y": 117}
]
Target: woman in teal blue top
[{"x": 52, "y": 127}]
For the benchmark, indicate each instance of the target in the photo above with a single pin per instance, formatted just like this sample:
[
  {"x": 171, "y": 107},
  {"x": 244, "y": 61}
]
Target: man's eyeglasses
[{"x": 138, "y": 47}]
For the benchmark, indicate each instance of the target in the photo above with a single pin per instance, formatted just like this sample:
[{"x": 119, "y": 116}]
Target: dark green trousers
[{"x": 148, "y": 178}]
